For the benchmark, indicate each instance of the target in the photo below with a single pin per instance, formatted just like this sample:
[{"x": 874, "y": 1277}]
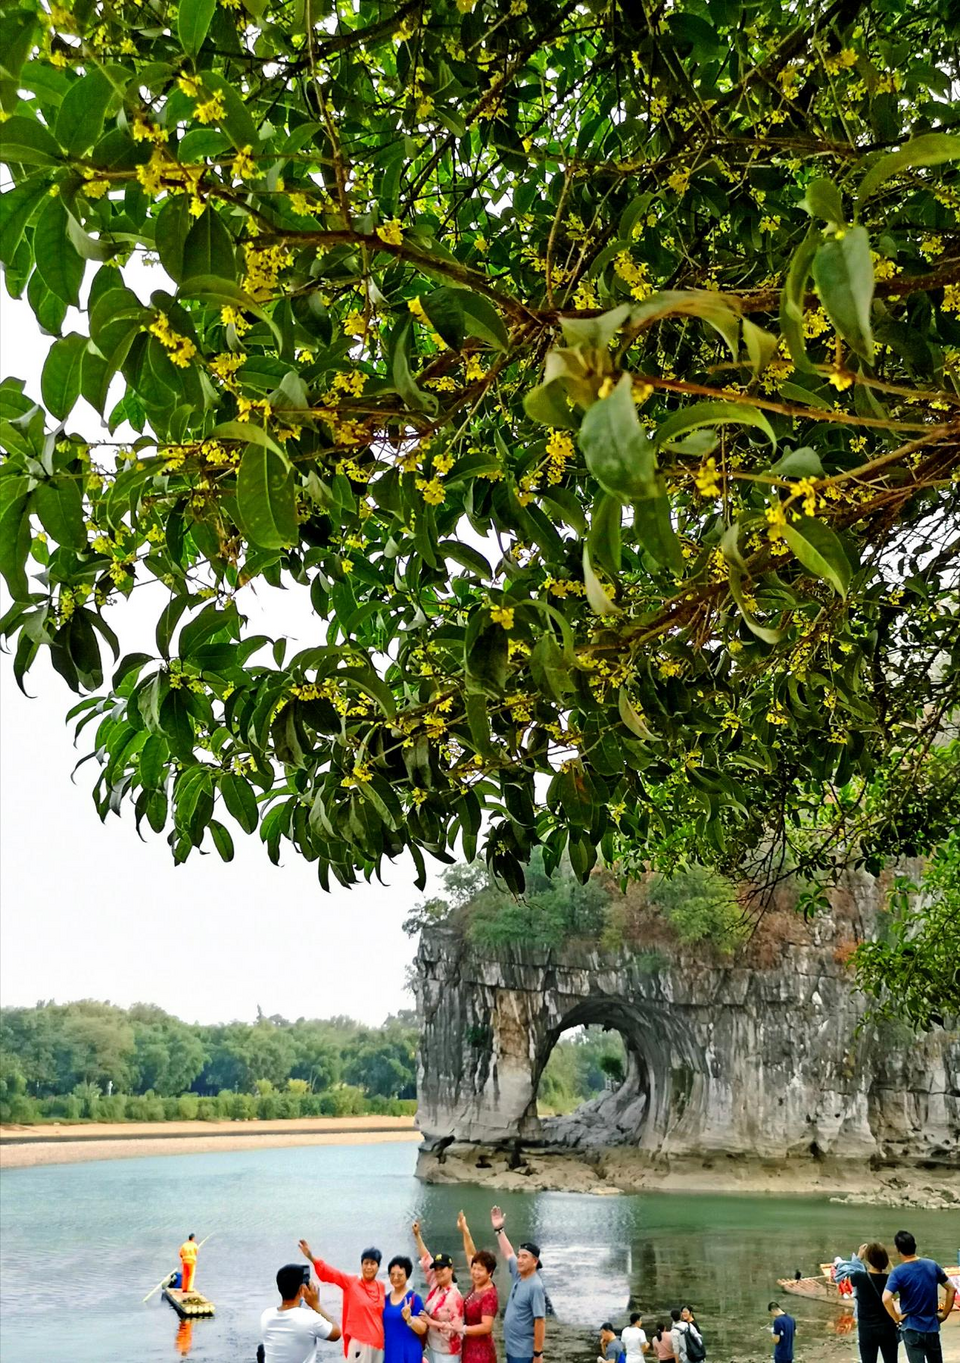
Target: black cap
[
  {"x": 441, "y": 1261},
  {"x": 533, "y": 1249},
  {"x": 607, "y": 1325},
  {"x": 371, "y": 1253}
]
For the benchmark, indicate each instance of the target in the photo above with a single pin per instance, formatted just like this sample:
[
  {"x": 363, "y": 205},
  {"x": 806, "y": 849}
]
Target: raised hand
[
  {"x": 461, "y": 1222},
  {"x": 306, "y": 1251},
  {"x": 497, "y": 1218}
]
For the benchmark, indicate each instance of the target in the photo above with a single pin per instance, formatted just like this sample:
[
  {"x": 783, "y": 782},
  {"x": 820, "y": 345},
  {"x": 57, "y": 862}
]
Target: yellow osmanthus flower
[
  {"x": 806, "y": 490},
  {"x": 391, "y": 232},
  {"x": 502, "y": 616},
  {"x": 225, "y": 366},
  {"x": 770, "y": 223},
  {"x": 585, "y": 295},
  {"x": 776, "y": 520},
  {"x": 679, "y": 181},
  {"x": 210, "y": 110},
  {"x": 189, "y": 85},
  {"x": 360, "y": 775},
  {"x": 707, "y": 479},
  {"x": 243, "y": 165},
  {"x": 840, "y": 379},
  {"x": 474, "y": 368},
  {"x": 432, "y": 489},
  {"x": 180, "y": 349},
  {"x": 355, "y": 324},
  {"x": 951, "y": 298}
]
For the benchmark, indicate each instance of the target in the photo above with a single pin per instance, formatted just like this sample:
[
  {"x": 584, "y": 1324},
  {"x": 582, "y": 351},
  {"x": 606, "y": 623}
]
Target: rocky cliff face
[{"x": 722, "y": 1057}]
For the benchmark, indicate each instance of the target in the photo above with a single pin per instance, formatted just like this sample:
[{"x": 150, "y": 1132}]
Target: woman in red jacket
[{"x": 363, "y": 1299}]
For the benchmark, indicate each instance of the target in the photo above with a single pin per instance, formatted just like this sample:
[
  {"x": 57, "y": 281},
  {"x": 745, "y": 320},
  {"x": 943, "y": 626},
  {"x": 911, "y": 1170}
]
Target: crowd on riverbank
[{"x": 396, "y": 1324}]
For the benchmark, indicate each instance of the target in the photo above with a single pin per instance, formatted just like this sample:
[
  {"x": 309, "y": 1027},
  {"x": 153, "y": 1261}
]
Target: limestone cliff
[{"x": 751, "y": 1060}]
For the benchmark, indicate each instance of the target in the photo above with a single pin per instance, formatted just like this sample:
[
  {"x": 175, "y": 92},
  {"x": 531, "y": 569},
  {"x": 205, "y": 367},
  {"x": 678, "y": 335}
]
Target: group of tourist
[
  {"x": 680, "y": 1341},
  {"x": 397, "y": 1325},
  {"x": 900, "y": 1305}
]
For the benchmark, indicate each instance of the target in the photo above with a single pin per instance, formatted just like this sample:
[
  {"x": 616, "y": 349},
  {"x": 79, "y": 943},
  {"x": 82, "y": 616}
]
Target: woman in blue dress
[{"x": 403, "y": 1328}]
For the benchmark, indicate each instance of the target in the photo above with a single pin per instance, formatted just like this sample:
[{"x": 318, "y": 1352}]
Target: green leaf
[
  {"x": 630, "y": 716},
  {"x": 444, "y": 308},
  {"x": 222, "y": 840},
  {"x": 548, "y": 668},
  {"x": 547, "y": 404},
  {"x": 193, "y": 21},
  {"x": 596, "y": 596},
  {"x": 595, "y": 332},
  {"x": 60, "y": 379},
  {"x": 603, "y": 540},
  {"x": 793, "y": 298},
  {"x": 17, "y": 207},
  {"x": 59, "y": 505},
  {"x": 248, "y": 432},
  {"x": 84, "y": 107},
  {"x": 466, "y": 556},
  {"x": 486, "y": 651},
  {"x": 15, "y": 540},
  {"x": 930, "y": 149},
  {"x": 154, "y": 762},
  {"x": 61, "y": 268},
  {"x": 266, "y": 498},
  {"x": 843, "y": 272},
  {"x": 238, "y": 122},
  {"x": 654, "y": 528},
  {"x": 761, "y": 346},
  {"x": 820, "y": 551},
  {"x": 769, "y": 636},
  {"x": 211, "y": 289},
  {"x": 482, "y": 320},
  {"x": 406, "y": 385},
  {"x": 170, "y": 233},
  {"x": 619, "y": 453},
  {"x": 822, "y": 200},
  {"x": 240, "y": 800},
  {"x": 176, "y": 723},
  {"x": 208, "y": 248},
  {"x": 712, "y": 414},
  {"x": 26, "y": 142}
]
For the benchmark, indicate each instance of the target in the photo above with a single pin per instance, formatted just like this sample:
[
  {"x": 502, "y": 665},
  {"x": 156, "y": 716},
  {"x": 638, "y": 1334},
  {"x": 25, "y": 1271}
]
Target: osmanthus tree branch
[{"x": 583, "y": 585}]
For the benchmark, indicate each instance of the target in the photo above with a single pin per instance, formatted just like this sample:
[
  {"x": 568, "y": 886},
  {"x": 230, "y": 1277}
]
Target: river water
[{"x": 81, "y": 1244}]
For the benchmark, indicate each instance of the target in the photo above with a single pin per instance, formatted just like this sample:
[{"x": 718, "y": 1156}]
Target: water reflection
[{"x": 184, "y": 1340}]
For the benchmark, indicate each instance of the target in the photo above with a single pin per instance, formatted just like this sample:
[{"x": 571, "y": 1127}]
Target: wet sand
[{"x": 24, "y": 1147}]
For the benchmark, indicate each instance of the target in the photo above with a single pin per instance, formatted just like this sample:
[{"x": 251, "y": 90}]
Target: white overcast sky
[{"x": 87, "y": 910}]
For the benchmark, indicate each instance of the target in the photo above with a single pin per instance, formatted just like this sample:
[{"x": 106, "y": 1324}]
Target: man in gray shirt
[{"x": 525, "y": 1319}]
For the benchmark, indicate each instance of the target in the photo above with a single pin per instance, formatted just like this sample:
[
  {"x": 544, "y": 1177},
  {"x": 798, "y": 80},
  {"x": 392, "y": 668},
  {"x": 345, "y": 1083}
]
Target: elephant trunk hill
[{"x": 748, "y": 1071}]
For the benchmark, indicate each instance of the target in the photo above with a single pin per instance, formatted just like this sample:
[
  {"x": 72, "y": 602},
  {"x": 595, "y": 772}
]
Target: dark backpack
[{"x": 696, "y": 1349}]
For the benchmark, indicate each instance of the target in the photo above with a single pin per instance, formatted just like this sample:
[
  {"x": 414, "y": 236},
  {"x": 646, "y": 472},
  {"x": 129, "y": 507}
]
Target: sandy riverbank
[{"x": 26, "y": 1146}]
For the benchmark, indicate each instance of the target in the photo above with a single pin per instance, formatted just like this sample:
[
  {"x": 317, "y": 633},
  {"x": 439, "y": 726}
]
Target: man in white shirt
[
  {"x": 634, "y": 1339},
  {"x": 291, "y": 1331}
]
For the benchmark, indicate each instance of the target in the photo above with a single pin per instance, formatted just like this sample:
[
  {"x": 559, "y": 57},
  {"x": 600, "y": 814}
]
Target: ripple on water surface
[{"x": 81, "y": 1244}]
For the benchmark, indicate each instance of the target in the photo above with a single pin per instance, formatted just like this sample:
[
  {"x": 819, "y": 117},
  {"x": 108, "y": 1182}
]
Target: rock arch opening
[{"x": 638, "y": 1104}]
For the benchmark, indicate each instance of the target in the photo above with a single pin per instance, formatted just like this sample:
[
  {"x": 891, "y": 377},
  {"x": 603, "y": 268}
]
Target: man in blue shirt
[
  {"x": 524, "y": 1320},
  {"x": 783, "y": 1329},
  {"x": 917, "y": 1282}
]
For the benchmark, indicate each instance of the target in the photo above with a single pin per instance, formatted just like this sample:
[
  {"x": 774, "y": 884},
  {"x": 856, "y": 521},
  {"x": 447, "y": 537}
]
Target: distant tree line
[{"x": 97, "y": 1061}]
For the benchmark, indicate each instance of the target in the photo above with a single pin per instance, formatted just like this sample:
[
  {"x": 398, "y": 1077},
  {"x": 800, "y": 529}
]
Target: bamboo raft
[
  {"x": 825, "y": 1289},
  {"x": 188, "y": 1305}
]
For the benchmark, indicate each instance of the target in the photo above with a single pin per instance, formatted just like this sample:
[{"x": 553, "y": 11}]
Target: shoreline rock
[{"x": 612, "y": 1171}]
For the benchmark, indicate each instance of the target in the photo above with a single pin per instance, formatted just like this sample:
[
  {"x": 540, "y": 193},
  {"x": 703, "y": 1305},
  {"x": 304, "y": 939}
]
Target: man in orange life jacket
[{"x": 188, "y": 1262}]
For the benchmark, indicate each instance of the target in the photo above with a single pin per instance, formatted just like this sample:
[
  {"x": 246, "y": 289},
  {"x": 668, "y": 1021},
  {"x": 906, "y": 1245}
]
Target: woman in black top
[{"x": 876, "y": 1331}]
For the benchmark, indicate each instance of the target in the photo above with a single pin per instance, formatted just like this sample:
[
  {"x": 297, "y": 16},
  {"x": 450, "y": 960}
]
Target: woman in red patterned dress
[{"x": 481, "y": 1305}]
